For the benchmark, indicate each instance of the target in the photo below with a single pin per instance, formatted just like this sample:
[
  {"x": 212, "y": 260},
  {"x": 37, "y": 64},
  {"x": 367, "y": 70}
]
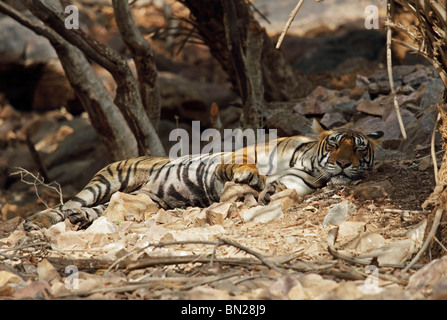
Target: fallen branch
[
  {"x": 263, "y": 259},
  {"x": 430, "y": 236}
]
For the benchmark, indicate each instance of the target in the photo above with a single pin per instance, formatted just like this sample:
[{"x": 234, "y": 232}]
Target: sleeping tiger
[{"x": 302, "y": 163}]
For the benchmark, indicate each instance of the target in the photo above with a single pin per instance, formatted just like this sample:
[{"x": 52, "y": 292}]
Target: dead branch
[
  {"x": 432, "y": 148},
  {"x": 38, "y": 181},
  {"x": 144, "y": 60},
  {"x": 128, "y": 97},
  {"x": 434, "y": 228},
  {"x": 97, "y": 101},
  {"x": 390, "y": 69},
  {"x": 263, "y": 259},
  {"x": 289, "y": 22},
  {"x": 36, "y": 157}
]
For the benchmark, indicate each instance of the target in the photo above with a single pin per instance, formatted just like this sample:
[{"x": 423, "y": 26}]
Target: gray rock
[
  {"x": 434, "y": 93},
  {"x": 339, "y": 213},
  {"x": 333, "y": 120}
]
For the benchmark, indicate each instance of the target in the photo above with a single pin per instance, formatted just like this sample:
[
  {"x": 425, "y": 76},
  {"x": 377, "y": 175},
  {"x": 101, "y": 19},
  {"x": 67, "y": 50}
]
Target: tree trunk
[
  {"x": 96, "y": 100},
  {"x": 128, "y": 98},
  {"x": 256, "y": 69}
]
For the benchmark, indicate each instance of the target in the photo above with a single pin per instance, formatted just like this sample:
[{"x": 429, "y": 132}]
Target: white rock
[
  {"x": 263, "y": 214},
  {"x": 339, "y": 213},
  {"x": 350, "y": 228},
  {"x": 102, "y": 225}
]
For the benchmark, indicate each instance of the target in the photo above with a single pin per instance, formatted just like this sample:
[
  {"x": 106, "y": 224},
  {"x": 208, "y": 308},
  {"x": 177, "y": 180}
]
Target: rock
[
  {"x": 393, "y": 137},
  {"x": 263, "y": 214},
  {"x": 396, "y": 252},
  {"x": 344, "y": 291},
  {"x": 47, "y": 272},
  {"x": 434, "y": 93},
  {"x": 372, "y": 190},
  {"x": 206, "y": 293},
  {"x": 320, "y": 101},
  {"x": 367, "y": 242},
  {"x": 315, "y": 286},
  {"x": 333, "y": 120},
  {"x": 429, "y": 275},
  {"x": 420, "y": 131},
  {"x": 165, "y": 217},
  {"x": 368, "y": 107},
  {"x": 102, "y": 225},
  {"x": 37, "y": 290},
  {"x": 194, "y": 216},
  {"x": 22, "y": 43},
  {"x": 286, "y": 198},
  {"x": 403, "y": 70},
  {"x": 297, "y": 293},
  {"x": 414, "y": 98},
  {"x": 283, "y": 118},
  {"x": 339, "y": 213},
  {"x": 282, "y": 286},
  {"x": 217, "y": 212},
  {"x": 9, "y": 277},
  {"x": 123, "y": 204},
  {"x": 416, "y": 78},
  {"x": 250, "y": 201},
  {"x": 350, "y": 228}
]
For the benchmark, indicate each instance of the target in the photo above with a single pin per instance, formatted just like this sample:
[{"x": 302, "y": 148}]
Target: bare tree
[
  {"x": 256, "y": 69},
  {"x": 122, "y": 122}
]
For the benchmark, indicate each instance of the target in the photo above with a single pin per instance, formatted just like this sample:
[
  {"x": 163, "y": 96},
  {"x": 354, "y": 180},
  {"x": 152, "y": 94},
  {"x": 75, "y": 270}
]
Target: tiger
[{"x": 302, "y": 163}]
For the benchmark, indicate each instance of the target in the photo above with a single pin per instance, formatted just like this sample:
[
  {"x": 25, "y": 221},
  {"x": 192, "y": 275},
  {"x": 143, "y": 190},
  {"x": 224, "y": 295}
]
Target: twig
[
  {"x": 160, "y": 244},
  {"x": 263, "y": 259},
  {"x": 390, "y": 68},
  {"x": 289, "y": 22},
  {"x": 432, "y": 149},
  {"x": 331, "y": 238},
  {"x": 430, "y": 235},
  {"x": 213, "y": 279},
  {"x": 39, "y": 182},
  {"x": 36, "y": 157},
  {"x": 403, "y": 211}
]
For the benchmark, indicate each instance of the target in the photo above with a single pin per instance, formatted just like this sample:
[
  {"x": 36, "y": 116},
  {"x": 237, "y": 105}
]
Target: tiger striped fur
[{"x": 301, "y": 163}]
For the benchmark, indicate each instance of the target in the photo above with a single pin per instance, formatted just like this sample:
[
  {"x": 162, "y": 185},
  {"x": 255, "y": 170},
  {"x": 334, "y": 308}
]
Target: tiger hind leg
[{"x": 81, "y": 216}]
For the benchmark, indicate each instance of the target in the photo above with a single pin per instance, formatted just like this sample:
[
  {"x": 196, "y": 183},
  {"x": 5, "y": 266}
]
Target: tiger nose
[{"x": 343, "y": 163}]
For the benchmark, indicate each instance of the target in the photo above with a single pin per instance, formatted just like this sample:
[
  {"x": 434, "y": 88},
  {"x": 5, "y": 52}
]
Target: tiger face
[{"x": 344, "y": 155}]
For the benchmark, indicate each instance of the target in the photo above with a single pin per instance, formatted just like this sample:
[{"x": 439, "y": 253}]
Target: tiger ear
[
  {"x": 375, "y": 137},
  {"x": 318, "y": 128}
]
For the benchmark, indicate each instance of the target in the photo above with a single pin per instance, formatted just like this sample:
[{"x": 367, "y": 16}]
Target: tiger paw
[
  {"x": 82, "y": 217},
  {"x": 77, "y": 217},
  {"x": 269, "y": 191},
  {"x": 43, "y": 219},
  {"x": 250, "y": 175}
]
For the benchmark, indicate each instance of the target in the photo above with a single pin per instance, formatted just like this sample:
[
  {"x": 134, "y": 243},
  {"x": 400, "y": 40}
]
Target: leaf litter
[{"x": 192, "y": 254}]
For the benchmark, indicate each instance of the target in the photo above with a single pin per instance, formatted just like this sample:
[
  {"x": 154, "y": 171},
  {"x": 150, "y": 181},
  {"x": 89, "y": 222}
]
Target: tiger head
[{"x": 343, "y": 155}]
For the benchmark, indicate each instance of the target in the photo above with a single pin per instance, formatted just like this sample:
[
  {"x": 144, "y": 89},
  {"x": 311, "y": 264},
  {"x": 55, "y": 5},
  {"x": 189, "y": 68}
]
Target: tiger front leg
[
  {"x": 242, "y": 173},
  {"x": 270, "y": 190}
]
